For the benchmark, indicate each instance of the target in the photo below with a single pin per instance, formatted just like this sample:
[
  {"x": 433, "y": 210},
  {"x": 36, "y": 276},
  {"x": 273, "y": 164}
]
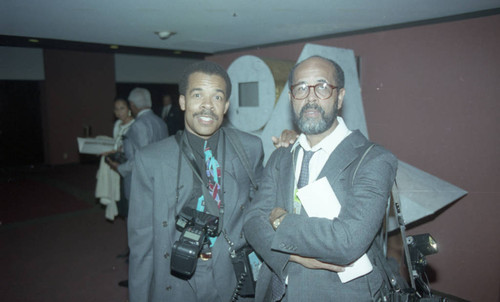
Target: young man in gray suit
[
  {"x": 305, "y": 253},
  {"x": 165, "y": 182}
]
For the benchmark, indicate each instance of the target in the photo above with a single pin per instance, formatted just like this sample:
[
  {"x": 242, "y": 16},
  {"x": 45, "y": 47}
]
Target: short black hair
[
  {"x": 205, "y": 67},
  {"x": 338, "y": 76}
]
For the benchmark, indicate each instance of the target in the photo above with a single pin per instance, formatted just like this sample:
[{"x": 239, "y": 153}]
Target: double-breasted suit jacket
[
  {"x": 153, "y": 208},
  {"x": 339, "y": 241}
]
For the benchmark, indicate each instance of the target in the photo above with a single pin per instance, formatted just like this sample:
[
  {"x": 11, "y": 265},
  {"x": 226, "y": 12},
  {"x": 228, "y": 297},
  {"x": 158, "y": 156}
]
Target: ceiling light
[{"x": 164, "y": 34}]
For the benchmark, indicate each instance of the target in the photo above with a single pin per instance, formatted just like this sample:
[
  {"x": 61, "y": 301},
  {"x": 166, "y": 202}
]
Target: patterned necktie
[
  {"x": 213, "y": 174},
  {"x": 304, "y": 170},
  {"x": 214, "y": 177}
]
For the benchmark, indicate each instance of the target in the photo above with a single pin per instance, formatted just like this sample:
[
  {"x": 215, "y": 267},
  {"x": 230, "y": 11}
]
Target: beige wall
[{"x": 431, "y": 95}]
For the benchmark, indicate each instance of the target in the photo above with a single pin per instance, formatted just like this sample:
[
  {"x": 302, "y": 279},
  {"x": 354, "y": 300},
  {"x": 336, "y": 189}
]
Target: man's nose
[
  {"x": 206, "y": 102},
  {"x": 311, "y": 97}
]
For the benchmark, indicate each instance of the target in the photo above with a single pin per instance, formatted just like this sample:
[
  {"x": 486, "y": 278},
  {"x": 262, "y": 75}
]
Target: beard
[{"x": 315, "y": 126}]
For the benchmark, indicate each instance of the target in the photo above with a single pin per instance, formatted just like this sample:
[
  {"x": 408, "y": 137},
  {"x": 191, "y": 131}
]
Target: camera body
[
  {"x": 118, "y": 157},
  {"x": 196, "y": 227}
]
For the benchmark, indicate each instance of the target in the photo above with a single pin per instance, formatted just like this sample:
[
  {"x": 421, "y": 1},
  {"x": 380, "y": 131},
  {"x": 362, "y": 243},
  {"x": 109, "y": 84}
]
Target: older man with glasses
[{"x": 321, "y": 201}]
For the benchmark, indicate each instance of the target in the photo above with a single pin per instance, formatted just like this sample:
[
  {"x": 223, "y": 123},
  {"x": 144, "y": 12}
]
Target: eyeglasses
[{"x": 321, "y": 90}]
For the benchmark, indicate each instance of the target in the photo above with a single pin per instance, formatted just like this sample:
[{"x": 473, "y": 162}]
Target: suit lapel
[
  {"x": 287, "y": 175},
  {"x": 345, "y": 153},
  {"x": 227, "y": 158},
  {"x": 230, "y": 197}
]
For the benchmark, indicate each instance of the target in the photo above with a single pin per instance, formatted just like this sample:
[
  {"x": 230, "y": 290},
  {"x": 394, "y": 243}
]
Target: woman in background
[{"x": 108, "y": 181}]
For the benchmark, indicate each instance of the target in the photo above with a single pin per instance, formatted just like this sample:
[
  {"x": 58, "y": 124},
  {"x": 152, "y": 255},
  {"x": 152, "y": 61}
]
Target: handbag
[{"x": 246, "y": 266}]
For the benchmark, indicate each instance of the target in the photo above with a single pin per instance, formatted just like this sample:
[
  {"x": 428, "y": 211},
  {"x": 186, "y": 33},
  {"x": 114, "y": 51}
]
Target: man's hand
[
  {"x": 113, "y": 164},
  {"x": 275, "y": 214},
  {"x": 107, "y": 153},
  {"x": 287, "y": 138},
  {"x": 312, "y": 263}
]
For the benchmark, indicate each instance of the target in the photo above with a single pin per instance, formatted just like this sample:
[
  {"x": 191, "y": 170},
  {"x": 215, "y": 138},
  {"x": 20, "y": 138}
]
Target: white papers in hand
[
  {"x": 319, "y": 200},
  {"x": 95, "y": 145}
]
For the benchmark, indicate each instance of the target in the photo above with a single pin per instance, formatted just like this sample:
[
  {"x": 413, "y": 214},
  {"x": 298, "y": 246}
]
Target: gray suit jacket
[
  {"x": 147, "y": 128},
  {"x": 151, "y": 222},
  {"x": 339, "y": 241}
]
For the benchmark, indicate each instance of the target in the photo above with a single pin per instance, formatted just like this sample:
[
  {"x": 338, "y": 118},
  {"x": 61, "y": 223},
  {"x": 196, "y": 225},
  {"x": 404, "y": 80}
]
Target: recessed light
[
  {"x": 165, "y": 34},
  {"x": 33, "y": 40}
]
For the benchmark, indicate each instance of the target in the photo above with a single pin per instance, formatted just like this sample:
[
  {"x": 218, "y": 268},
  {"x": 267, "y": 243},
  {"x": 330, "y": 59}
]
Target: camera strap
[
  {"x": 211, "y": 205},
  {"x": 402, "y": 229},
  {"x": 380, "y": 244}
]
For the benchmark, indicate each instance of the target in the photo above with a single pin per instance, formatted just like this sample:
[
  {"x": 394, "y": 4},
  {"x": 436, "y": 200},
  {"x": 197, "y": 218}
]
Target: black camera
[
  {"x": 196, "y": 227},
  {"x": 118, "y": 157}
]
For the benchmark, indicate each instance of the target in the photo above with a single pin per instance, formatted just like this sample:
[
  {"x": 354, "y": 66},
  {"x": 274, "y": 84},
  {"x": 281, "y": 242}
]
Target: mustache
[
  {"x": 311, "y": 106},
  {"x": 206, "y": 113}
]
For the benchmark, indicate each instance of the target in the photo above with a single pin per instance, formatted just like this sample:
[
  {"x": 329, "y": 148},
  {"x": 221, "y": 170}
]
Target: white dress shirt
[{"x": 322, "y": 150}]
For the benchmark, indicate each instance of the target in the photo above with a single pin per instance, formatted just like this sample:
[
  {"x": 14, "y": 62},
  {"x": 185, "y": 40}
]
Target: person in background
[
  {"x": 108, "y": 189},
  {"x": 147, "y": 129},
  {"x": 305, "y": 248},
  {"x": 172, "y": 115}
]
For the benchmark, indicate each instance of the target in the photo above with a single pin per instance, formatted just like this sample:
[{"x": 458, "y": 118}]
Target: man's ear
[
  {"x": 341, "y": 98},
  {"x": 226, "y": 106},
  {"x": 182, "y": 102}
]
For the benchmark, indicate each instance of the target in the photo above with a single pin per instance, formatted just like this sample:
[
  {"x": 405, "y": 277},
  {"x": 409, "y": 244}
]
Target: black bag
[
  {"x": 118, "y": 157},
  {"x": 394, "y": 287},
  {"x": 246, "y": 266}
]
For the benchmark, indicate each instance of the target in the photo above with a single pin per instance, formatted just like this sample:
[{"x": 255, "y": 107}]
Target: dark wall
[
  {"x": 77, "y": 100},
  {"x": 431, "y": 95},
  {"x": 21, "y": 142}
]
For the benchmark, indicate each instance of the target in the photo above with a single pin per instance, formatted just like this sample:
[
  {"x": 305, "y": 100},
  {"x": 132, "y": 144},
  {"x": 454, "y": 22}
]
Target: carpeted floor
[
  {"x": 27, "y": 199},
  {"x": 55, "y": 244}
]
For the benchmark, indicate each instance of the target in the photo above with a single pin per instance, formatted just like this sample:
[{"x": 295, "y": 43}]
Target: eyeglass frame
[{"x": 314, "y": 89}]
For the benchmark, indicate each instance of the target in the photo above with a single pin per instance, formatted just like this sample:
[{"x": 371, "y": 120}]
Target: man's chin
[{"x": 206, "y": 131}]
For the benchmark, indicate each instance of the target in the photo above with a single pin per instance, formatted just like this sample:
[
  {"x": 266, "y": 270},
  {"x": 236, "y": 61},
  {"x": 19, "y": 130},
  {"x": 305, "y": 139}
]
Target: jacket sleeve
[
  {"x": 137, "y": 137},
  {"x": 258, "y": 230},
  {"x": 347, "y": 237},
  {"x": 140, "y": 233}
]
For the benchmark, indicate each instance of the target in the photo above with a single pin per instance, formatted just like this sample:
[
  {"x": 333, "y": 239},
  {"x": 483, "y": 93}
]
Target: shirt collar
[
  {"x": 329, "y": 143},
  {"x": 142, "y": 112}
]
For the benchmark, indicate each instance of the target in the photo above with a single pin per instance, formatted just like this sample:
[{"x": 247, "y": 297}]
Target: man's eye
[
  {"x": 196, "y": 95},
  {"x": 302, "y": 88},
  {"x": 218, "y": 98}
]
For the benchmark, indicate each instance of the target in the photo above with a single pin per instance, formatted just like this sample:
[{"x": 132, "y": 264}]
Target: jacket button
[
  {"x": 166, "y": 255},
  {"x": 165, "y": 224},
  {"x": 168, "y": 288}
]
